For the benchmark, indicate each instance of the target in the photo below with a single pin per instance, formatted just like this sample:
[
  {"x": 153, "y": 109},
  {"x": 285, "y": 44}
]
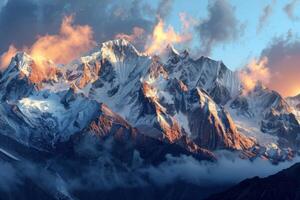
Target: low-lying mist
[{"x": 106, "y": 173}]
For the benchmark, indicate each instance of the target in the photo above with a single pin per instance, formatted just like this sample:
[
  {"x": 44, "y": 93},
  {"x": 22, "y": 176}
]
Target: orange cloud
[
  {"x": 161, "y": 37},
  {"x": 137, "y": 33},
  {"x": 285, "y": 76},
  {"x": 256, "y": 71},
  {"x": 70, "y": 43},
  {"x": 6, "y": 57},
  {"x": 283, "y": 62}
]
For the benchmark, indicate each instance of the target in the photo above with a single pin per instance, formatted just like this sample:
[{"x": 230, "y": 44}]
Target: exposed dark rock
[{"x": 283, "y": 185}]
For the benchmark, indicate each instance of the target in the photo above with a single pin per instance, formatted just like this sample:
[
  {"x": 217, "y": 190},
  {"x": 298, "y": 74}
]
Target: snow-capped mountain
[
  {"x": 182, "y": 101},
  {"x": 116, "y": 106},
  {"x": 137, "y": 87}
]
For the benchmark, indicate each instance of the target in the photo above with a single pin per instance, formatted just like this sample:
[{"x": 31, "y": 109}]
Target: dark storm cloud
[
  {"x": 267, "y": 11},
  {"x": 290, "y": 8},
  {"x": 22, "y": 20},
  {"x": 221, "y": 26},
  {"x": 283, "y": 55}
]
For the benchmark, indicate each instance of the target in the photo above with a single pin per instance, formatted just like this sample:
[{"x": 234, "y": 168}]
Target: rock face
[
  {"x": 283, "y": 185},
  {"x": 216, "y": 124}
]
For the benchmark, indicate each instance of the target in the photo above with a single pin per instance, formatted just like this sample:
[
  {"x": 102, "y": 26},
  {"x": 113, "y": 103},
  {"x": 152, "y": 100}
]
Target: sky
[
  {"x": 251, "y": 42},
  {"x": 236, "y": 32}
]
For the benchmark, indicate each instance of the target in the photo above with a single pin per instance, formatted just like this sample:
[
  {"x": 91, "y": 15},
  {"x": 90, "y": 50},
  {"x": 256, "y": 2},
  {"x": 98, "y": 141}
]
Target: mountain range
[{"x": 103, "y": 120}]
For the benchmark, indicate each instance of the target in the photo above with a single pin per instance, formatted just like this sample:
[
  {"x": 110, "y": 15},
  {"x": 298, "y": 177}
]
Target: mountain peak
[
  {"x": 36, "y": 69},
  {"x": 119, "y": 45},
  {"x": 170, "y": 49},
  {"x": 20, "y": 62},
  {"x": 117, "y": 42}
]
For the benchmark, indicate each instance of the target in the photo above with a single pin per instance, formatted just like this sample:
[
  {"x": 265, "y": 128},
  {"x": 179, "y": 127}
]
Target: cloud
[
  {"x": 164, "y": 8},
  {"x": 267, "y": 11},
  {"x": 283, "y": 55},
  {"x": 221, "y": 26},
  {"x": 256, "y": 71},
  {"x": 98, "y": 169},
  {"x": 70, "y": 43},
  {"x": 21, "y": 21},
  {"x": 136, "y": 33},
  {"x": 106, "y": 172},
  {"x": 5, "y": 58},
  {"x": 187, "y": 21},
  {"x": 162, "y": 36},
  {"x": 227, "y": 171},
  {"x": 289, "y": 9},
  {"x": 137, "y": 37}
]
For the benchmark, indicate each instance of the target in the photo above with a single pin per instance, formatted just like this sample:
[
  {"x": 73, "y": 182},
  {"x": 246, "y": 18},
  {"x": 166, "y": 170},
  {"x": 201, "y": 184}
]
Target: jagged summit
[
  {"x": 15, "y": 81},
  {"x": 171, "y": 51},
  {"x": 118, "y": 46},
  {"x": 21, "y": 62}
]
